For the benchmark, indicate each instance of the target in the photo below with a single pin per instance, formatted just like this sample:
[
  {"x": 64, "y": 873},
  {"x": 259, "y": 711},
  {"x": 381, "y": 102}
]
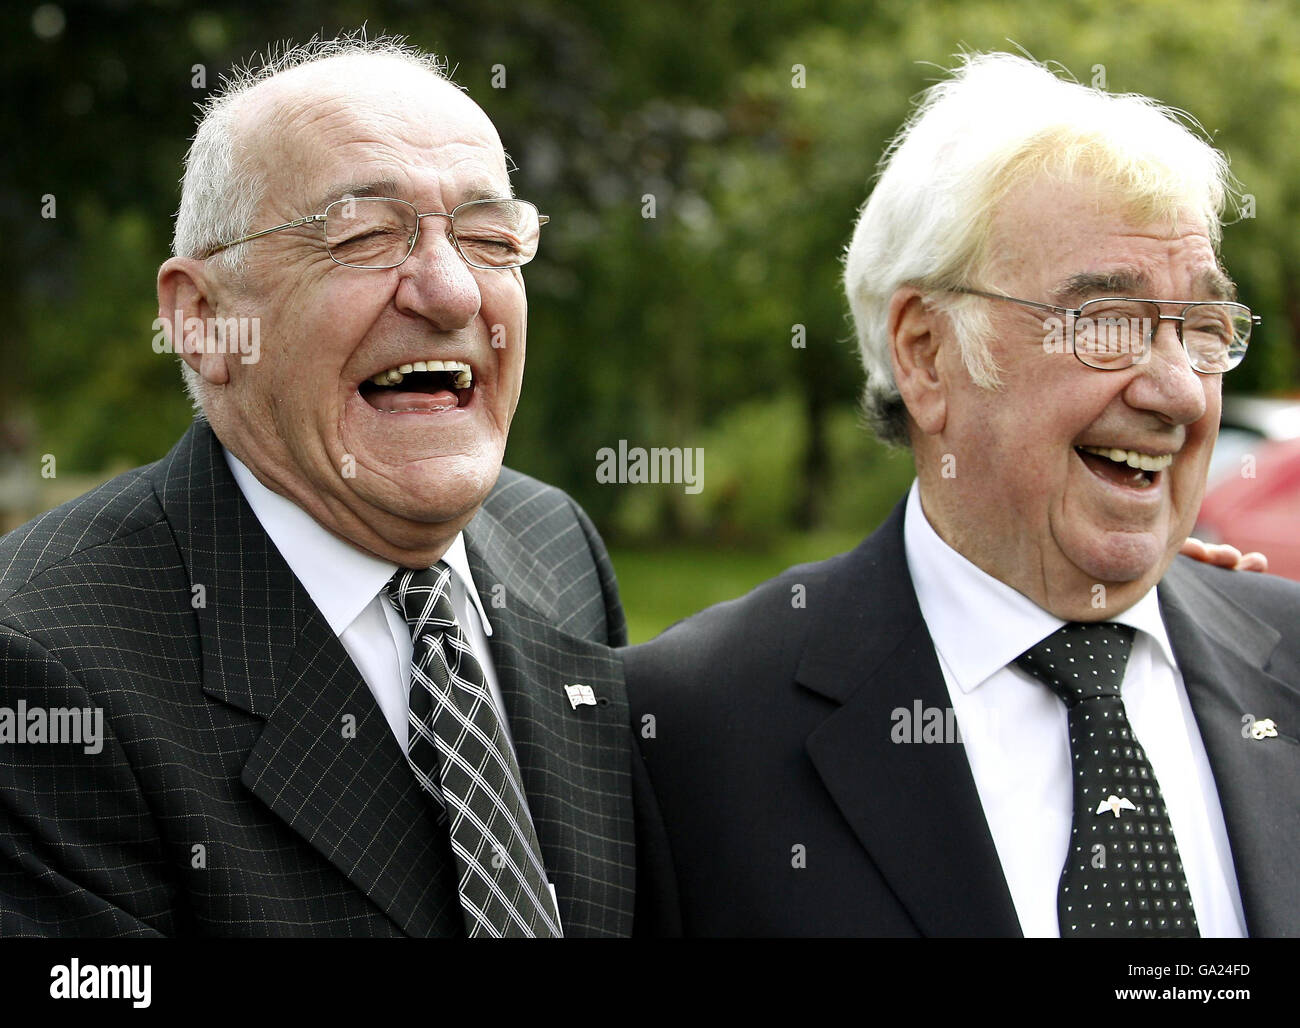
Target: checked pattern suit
[{"x": 248, "y": 784}]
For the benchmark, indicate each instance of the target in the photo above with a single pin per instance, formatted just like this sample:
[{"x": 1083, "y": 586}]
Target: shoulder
[
  {"x": 540, "y": 516},
  {"x": 735, "y": 645},
  {"x": 82, "y": 539},
  {"x": 1273, "y": 600},
  {"x": 539, "y": 539},
  {"x": 518, "y": 499}
]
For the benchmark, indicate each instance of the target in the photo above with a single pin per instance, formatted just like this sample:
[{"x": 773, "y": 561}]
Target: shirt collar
[
  {"x": 979, "y": 624},
  {"x": 340, "y": 579}
]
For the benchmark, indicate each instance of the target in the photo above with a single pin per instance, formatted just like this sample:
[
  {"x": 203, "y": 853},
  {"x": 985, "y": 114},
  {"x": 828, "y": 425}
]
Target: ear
[
  {"x": 914, "y": 337},
  {"x": 187, "y": 308}
]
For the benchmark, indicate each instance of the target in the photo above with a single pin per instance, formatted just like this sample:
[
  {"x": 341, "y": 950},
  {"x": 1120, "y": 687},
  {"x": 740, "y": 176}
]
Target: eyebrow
[
  {"x": 1088, "y": 284},
  {"x": 381, "y": 187},
  {"x": 1217, "y": 285},
  {"x": 1211, "y": 285},
  {"x": 389, "y": 187}
]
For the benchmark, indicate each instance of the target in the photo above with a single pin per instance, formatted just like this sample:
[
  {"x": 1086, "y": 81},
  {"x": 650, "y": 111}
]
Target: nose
[
  {"x": 435, "y": 282},
  {"x": 1166, "y": 383}
]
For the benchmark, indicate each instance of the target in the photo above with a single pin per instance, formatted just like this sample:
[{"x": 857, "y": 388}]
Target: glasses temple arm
[
  {"x": 1015, "y": 299},
  {"x": 265, "y": 232}
]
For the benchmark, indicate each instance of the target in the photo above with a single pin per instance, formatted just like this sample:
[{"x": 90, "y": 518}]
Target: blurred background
[{"x": 750, "y": 131}]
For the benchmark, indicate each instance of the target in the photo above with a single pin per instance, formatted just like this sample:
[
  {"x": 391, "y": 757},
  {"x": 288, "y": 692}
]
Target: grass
[{"x": 662, "y": 585}]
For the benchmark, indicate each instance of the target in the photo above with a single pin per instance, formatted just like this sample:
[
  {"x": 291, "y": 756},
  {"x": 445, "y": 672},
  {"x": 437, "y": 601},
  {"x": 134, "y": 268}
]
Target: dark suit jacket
[
  {"x": 771, "y": 749},
  {"x": 231, "y": 796}
]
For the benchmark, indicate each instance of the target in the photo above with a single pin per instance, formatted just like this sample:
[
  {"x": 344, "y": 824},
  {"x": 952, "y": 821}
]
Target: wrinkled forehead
[
  {"x": 1079, "y": 237},
  {"x": 317, "y": 130}
]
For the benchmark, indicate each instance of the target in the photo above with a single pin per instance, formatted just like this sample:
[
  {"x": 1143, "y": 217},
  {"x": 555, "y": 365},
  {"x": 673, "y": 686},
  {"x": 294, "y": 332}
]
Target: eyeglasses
[
  {"x": 378, "y": 232},
  {"x": 1112, "y": 333}
]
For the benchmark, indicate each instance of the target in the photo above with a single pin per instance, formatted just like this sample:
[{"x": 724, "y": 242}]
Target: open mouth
[
  {"x": 1128, "y": 468},
  {"x": 420, "y": 386}
]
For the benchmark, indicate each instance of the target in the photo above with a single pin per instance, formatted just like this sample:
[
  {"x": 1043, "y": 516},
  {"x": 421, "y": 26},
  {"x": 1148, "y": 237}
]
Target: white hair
[
  {"x": 220, "y": 191},
  {"x": 998, "y": 123}
]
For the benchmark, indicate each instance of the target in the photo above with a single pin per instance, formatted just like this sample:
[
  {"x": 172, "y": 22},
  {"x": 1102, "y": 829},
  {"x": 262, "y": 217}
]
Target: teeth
[
  {"x": 464, "y": 375},
  {"x": 1141, "y": 461}
]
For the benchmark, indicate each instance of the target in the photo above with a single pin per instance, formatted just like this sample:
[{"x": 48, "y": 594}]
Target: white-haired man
[
  {"x": 345, "y": 674},
  {"x": 927, "y": 736}
]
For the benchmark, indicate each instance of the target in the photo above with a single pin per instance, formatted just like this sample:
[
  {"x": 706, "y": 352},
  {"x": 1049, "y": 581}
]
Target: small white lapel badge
[
  {"x": 1263, "y": 729},
  {"x": 580, "y": 695},
  {"x": 1115, "y": 804}
]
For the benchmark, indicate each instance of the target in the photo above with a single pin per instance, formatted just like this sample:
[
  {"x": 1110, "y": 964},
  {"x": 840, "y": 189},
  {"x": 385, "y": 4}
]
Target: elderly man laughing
[
  {"x": 336, "y": 644},
  {"x": 1043, "y": 318}
]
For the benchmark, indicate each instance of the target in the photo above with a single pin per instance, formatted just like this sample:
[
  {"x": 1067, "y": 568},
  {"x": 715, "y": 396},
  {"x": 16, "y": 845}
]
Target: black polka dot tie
[{"x": 1122, "y": 877}]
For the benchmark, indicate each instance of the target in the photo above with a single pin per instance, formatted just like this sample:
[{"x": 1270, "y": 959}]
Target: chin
[
  {"x": 440, "y": 489},
  {"x": 1124, "y": 557}
]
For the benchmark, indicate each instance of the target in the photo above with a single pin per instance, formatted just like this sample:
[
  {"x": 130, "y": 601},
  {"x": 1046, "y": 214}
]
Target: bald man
[{"x": 326, "y": 668}]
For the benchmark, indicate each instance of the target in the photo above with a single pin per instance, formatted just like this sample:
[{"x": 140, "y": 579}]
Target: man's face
[
  {"x": 1028, "y": 503},
  {"x": 387, "y": 469}
]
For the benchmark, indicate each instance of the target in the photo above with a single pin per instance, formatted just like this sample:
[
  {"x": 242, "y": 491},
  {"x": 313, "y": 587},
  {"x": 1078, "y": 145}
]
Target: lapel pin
[
  {"x": 1263, "y": 729},
  {"x": 580, "y": 695},
  {"x": 1115, "y": 804}
]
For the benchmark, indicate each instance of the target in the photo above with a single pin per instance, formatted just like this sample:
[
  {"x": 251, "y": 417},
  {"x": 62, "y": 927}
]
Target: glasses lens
[
  {"x": 1216, "y": 335},
  {"x": 1111, "y": 334},
  {"x": 497, "y": 233},
  {"x": 370, "y": 232}
]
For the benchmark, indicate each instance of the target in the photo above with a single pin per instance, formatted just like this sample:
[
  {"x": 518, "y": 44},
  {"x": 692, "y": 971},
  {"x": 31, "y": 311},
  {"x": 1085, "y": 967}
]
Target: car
[{"x": 1252, "y": 500}]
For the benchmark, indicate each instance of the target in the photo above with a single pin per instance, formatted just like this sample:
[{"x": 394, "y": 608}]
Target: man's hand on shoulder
[{"x": 1224, "y": 556}]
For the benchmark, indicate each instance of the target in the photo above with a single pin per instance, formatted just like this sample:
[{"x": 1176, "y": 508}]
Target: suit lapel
[
  {"x": 1224, "y": 655},
  {"x": 328, "y": 765},
  {"x": 575, "y": 762},
  {"x": 326, "y": 762},
  {"x": 914, "y": 808}
]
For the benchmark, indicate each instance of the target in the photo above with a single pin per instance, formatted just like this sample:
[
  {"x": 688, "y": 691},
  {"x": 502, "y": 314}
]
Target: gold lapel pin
[{"x": 1263, "y": 729}]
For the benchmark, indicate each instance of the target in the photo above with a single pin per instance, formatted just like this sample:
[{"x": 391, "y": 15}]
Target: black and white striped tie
[
  {"x": 461, "y": 756},
  {"x": 1123, "y": 877}
]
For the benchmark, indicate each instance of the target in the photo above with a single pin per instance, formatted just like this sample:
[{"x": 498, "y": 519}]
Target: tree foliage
[{"x": 658, "y": 330}]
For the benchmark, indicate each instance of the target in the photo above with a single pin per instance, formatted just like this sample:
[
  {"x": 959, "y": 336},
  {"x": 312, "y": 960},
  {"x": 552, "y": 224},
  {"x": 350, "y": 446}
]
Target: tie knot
[
  {"x": 1081, "y": 661},
  {"x": 423, "y": 597}
]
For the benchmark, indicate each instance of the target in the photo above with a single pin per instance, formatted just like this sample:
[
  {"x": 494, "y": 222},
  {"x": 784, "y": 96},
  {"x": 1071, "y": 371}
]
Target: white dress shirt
[
  {"x": 1016, "y": 732},
  {"x": 348, "y": 587}
]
